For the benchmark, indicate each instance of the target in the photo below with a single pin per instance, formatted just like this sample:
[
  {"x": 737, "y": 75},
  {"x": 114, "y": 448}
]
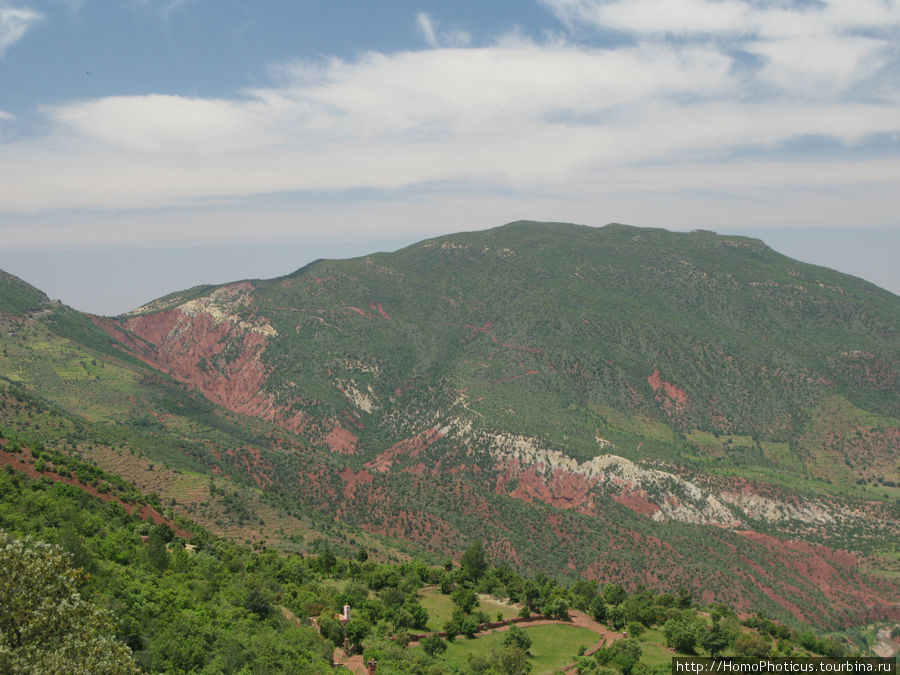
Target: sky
[{"x": 150, "y": 145}]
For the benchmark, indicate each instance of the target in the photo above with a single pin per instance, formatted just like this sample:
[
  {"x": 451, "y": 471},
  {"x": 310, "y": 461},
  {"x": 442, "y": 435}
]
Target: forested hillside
[{"x": 625, "y": 405}]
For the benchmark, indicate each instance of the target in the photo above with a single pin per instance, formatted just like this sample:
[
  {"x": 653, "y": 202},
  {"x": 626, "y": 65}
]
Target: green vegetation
[
  {"x": 45, "y": 624},
  {"x": 209, "y": 605},
  {"x": 411, "y": 403},
  {"x": 18, "y": 297},
  {"x": 552, "y": 647}
]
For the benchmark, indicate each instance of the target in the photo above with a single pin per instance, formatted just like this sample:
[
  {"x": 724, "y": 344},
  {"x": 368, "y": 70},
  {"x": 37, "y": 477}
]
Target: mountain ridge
[{"x": 619, "y": 385}]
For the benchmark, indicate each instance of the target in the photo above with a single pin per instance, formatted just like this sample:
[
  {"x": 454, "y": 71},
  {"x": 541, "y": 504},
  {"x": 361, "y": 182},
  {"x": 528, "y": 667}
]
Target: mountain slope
[
  {"x": 621, "y": 403},
  {"x": 18, "y": 297},
  {"x": 547, "y": 325}
]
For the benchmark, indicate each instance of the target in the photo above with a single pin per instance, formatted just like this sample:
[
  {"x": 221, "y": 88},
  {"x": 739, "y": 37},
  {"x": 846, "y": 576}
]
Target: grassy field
[
  {"x": 440, "y": 608},
  {"x": 552, "y": 646},
  {"x": 655, "y": 654}
]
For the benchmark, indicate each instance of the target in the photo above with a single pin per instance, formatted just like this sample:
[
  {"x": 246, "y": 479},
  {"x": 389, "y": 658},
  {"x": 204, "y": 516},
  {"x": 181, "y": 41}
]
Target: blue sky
[{"x": 146, "y": 145}]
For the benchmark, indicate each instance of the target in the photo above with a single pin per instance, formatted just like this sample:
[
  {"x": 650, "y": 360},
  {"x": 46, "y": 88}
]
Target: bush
[
  {"x": 433, "y": 645},
  {"x": 681, "y": 634},
  {"x": 517, "y": 637},
  {"x": 751, "y": 644}
]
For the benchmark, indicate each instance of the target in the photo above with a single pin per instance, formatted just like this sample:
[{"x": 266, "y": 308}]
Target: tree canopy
[{"x": 45, "y": 623}]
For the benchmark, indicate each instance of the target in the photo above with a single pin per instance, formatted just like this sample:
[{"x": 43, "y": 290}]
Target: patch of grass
[
  {"x": 438, "y": 606},
  {"x": 637, "y": 424},
  {"x": 655, "y": 654},
  {"x": 552, "y": 646},
  {"x": 491, "y": 606}
]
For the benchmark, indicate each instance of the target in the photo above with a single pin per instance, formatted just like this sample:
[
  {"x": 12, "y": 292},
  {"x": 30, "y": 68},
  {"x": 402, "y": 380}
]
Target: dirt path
[{"x": 354, "y": 664}]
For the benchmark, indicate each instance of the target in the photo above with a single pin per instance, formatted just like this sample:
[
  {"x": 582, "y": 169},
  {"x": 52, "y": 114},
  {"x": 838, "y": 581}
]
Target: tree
[
  {"x": 634, "y": 628},
  {"x": 461, "y": 624},
  {"x": 598, "y": 609},
  {"x": 257, "y": 600},
  {"x": 681, "y": 634},
  {"x": 326, "y": 560},
  {"x": 584, "y": 594},
  {"x": 508, "y": 660},
  {"x": 331, "y": 629},
  {"x": 517, "y": 638},
  {"x": 157, "y": 553},
  {"x": 625, "y": 654},
  {"x": 433, "y": 645},
  {"x": 753, "y": 645},
  {"x": 614, "y": 593},
  {"x": 356, "y": 631},
  {"x": 715, "y": 639},
  {"x": 465, "y": 599},
  {"x": 557, "y": 608},
  {"x": 417, "y": 612},
  {"x": 474, "y": 562},
  {"x": 45, "y": 623}
]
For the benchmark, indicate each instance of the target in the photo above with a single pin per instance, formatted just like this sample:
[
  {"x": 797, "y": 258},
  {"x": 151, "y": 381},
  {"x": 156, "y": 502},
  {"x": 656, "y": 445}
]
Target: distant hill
[{"x": 621, "y": 403}]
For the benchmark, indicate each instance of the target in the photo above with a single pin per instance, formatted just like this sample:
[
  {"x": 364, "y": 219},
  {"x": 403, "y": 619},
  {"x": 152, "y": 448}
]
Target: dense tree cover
[
  {"x": 45, "y": 623},
  {"x": 209, "y": 605}
]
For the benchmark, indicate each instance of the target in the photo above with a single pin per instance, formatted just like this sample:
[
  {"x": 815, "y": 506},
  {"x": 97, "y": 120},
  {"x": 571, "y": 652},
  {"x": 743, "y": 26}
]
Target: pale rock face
[
  {"x": 677, "y": 498},
  {"x": 365, "y": 400},
  {"x": 222, "y": 305},
  {"x": 772, "y": 511}
]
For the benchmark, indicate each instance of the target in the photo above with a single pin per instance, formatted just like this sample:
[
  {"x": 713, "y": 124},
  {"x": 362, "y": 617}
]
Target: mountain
[
  {"x": 18, "y": 297},
  {"x": 621, "y": 403}
]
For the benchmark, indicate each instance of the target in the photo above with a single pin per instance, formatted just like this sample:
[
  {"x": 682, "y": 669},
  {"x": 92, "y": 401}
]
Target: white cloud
[
  {"x": 652, "y": 129},
  {"x": 805, "y": 47},
  {"x": 654, "y": 16},
  {"x": 14, "y": 23}
]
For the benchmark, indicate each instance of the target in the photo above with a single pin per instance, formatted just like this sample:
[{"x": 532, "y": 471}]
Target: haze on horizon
[{"x": 147, "y": 145}]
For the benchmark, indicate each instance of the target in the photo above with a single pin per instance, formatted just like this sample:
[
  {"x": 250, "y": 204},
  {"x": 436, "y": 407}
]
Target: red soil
[
  {"x": 410, "y": 447},
  {"x": 562, "y": 489},
  {"x": 835, "y": 573},
  {"x": 636, "y": 500},
  {"x": 353, "y": 478},
  {"x": 376, "y": 306},
  {"x": 672, "y": 392},
  {"x": 341, "y": 440}
]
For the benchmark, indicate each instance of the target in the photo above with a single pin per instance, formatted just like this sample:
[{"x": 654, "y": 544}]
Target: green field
[
  {"x": 440, "y": 608},
  {"x": 552, "y": 646}
]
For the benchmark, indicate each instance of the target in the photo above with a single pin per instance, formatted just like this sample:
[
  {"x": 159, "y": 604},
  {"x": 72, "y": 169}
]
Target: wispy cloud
[
  {"x": 426, "y": 27},
  {"x": 810, "y": 49},
  {"x": 444, "y": 38},
  {"x": 14, "y": 23},
  {"x": 651, "y": 127}
]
